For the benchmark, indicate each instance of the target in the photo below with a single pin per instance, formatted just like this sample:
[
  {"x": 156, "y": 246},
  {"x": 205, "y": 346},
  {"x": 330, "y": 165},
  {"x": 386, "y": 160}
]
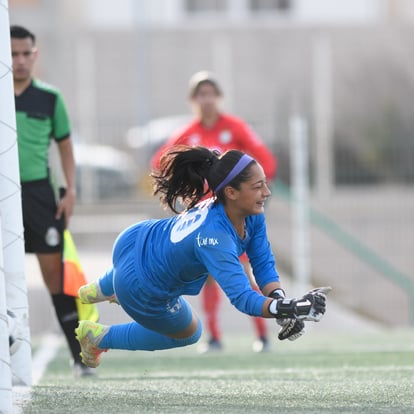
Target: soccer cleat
[
  {"x": 92, "y": 293},
  {"x": 90, "y": 334}
]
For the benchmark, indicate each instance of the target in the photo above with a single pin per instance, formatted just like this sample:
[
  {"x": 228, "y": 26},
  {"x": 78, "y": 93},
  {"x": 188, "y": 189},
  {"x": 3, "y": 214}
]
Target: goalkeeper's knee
[{"x": 191, "y": 339}]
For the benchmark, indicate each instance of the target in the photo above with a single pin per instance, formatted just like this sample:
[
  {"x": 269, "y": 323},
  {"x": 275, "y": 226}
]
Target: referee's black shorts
[{"x": 43, "y": 233}]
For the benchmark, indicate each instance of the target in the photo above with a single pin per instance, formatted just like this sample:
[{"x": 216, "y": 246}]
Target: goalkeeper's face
[{"x": 249, "y": 199}]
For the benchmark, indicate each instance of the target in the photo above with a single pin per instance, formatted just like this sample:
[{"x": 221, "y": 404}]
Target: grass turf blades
[{"x": 317, "y": 374}]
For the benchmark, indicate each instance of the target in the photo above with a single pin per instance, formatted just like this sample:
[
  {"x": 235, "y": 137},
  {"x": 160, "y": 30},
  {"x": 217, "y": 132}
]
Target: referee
[{"x": 40, "y": 116}]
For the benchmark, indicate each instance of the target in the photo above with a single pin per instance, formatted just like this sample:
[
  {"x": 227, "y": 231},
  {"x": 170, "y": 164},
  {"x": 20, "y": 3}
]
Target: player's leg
[
  {"x": 99, "y": 290},
  {"x": 102, "y": 289},
  {"x": 210, "y": 298},
  {"x": 261, "y": 343},
  {"x": 65, "y": 305},
  {"x": 164, "y": 330},
  {"x": 158, "y": 324},
  {"x": 44, "y": 236}
]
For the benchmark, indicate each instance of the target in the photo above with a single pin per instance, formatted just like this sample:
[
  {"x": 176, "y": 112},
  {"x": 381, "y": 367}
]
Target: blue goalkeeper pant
[{"x": 154, "y": 319}]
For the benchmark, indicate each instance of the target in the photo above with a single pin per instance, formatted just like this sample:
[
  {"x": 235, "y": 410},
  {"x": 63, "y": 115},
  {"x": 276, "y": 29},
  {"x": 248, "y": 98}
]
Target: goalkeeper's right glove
[{"x": 292, "y": 329}]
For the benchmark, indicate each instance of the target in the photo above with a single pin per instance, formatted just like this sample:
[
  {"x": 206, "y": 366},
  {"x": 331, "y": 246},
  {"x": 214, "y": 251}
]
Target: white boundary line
[{"x": 46, "y": 352}]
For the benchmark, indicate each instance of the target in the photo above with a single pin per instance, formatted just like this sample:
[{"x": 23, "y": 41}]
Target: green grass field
[{"x": 319, "y": 373}]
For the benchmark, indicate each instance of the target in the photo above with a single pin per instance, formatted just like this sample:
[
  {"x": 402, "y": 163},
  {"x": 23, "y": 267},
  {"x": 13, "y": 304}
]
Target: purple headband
[{"x": 237, "y": 169}]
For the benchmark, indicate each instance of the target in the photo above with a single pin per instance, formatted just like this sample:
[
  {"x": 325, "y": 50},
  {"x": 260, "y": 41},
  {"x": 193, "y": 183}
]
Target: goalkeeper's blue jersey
[{"x": 173, "y": 256}]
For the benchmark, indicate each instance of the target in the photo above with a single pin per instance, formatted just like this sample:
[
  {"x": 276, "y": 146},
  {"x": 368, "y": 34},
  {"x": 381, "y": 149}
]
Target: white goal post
[
  {"x": 12, "y": 272},
  {"x": 5, "y": 370},
  {"x": 298, "y": 134}
]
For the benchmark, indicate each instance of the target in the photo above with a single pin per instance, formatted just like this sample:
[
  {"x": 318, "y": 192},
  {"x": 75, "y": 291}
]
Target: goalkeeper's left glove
[
  {"x": 310, "y": 307},
  {"x": 292, "y": 328},
  {"x": 318, "y": 298}
]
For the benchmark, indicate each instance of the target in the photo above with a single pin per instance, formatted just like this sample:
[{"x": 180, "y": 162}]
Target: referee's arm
[{"x": 67, "y": 159}]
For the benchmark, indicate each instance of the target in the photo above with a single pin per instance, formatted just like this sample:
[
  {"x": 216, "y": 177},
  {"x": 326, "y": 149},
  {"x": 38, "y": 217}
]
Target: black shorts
[{"x": 43, "y": 233}]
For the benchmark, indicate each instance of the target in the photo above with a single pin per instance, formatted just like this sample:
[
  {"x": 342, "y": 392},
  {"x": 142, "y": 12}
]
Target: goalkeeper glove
[
  {"x": 319, "y": 304},
  {"x": 310, "y": 307},
  {"x": 292, "y": 328}
]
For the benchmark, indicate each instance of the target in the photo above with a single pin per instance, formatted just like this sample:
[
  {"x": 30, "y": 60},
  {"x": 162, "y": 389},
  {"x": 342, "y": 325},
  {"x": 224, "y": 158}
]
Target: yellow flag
[{"x": 74, "y": 278}]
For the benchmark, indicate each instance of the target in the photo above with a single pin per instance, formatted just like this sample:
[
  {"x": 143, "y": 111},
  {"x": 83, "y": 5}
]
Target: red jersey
[{"x": 229, "y": 132}]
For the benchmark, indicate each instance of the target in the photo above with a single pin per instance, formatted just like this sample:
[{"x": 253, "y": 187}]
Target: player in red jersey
[{"x": 217, "y": 130}]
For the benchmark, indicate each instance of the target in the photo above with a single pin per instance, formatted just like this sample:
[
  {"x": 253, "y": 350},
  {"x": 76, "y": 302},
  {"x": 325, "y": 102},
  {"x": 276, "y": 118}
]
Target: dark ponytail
[
  {"x": 187, "y": 174},
  {"x": 183, "y": 175}
]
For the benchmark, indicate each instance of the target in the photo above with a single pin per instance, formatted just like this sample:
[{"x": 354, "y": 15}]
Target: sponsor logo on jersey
[
  {"x": 206, "y": 241},
  {"x": 188, "y": 222},
  {"x": 225, "y": 136}
]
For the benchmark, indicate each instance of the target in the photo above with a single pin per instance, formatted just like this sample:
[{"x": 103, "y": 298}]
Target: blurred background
[{"x": 346, "y": 68}]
